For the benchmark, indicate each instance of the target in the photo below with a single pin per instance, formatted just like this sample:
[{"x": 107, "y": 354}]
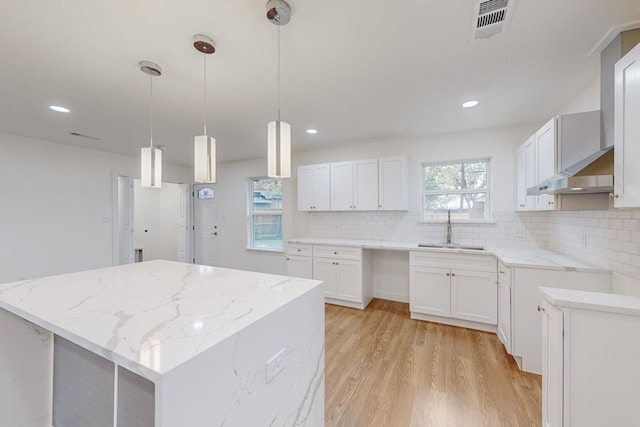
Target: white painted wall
[
  {"x": 587, "y": 100},
  {"x": 56, "y": 206},
  {"x": 156, "y": 220}
]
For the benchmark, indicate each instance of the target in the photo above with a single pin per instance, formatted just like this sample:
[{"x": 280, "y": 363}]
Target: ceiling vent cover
[{"x": 491, "y": 17}]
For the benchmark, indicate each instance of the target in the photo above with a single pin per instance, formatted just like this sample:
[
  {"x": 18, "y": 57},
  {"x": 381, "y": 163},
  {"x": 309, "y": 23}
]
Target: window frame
[
  {"x": 489, "y": 199},
  {"x": 252, "y": 213}
]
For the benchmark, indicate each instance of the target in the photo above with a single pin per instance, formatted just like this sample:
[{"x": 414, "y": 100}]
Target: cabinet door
[
  {"x": 342, "y": 186},
  {"x": 349, "y": 280},
  {"x": 365, "y": 185},
  {"x": 474, "y": 296},
  {"x": 325, "y": 269},
  {"x": 430, "y": 290},
  {"x": 525, "y": 175},
  {"x": 552, "y": 366},
  {"x": 504, "y": 306},
  {"x": 305, "y": 188},
  {"x": 322, "y": 187},
  {"x": 627, "y": 130},
  {"x": 392, "y": 183},
  {"x": 300, "y": 266},
  {"x": 546, "y": 162}
]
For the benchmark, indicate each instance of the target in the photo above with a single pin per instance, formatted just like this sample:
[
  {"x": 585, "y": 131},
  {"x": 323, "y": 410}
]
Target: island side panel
[
  {"x": 229, "y": 384},
  {"x": 26, "y": 373}
]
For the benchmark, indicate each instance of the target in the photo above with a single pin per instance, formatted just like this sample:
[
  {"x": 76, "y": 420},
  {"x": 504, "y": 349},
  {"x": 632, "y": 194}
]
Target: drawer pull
[{"x": 540, "y": 308}]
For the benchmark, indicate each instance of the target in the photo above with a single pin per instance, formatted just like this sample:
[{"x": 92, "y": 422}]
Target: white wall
[
  {"x": 56, "y": 206},
  {"x": 156, "y": 220}
]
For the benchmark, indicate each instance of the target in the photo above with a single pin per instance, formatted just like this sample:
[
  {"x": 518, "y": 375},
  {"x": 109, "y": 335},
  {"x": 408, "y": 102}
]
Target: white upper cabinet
[
  {"x": 627, "y": 130},
  {"x": 525, "y": 175},
  {"x": 359, "y": 185},
  {"x": 314, "y": 187},
  {"x": 546, "y": 148},
  {"x": 354, "y": 185},
  {"x": 392, "y": 184}
]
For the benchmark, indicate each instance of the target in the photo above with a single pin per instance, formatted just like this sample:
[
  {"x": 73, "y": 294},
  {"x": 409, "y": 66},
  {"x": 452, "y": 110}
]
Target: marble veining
[{"x": 151, "y": 316}]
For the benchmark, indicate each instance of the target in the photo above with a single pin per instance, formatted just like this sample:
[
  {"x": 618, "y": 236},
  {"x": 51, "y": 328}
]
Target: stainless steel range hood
[{"x": 585, "y": 165}]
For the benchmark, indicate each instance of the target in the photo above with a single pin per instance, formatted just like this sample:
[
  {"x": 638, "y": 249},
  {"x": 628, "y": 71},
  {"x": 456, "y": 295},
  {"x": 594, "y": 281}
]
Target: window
[
  {"x": 459, "y": 187},
  {"x": 265, "y": 213}
]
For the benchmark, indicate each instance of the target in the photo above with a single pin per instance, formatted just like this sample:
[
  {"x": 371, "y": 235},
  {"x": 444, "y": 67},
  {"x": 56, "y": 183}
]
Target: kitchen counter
[
  {"x": 161, "y": 320},
  {"x": 596, "y": 301},
  {"x": 511, "y": 257}
]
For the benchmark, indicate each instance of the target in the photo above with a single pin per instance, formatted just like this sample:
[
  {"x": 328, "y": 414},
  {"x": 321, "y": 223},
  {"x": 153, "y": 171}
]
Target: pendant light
[
  {"x": 151, "y": 164},
  {"x": 204, "y": 147},
  {"x": 278, "y": 132}
]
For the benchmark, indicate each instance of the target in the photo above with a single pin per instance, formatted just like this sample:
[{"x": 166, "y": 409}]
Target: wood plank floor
[{"x": 385, "y": 369}]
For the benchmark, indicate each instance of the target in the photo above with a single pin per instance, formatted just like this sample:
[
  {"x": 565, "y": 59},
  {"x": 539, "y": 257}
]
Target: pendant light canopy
[
  {"x": 151, "y": 157},
  {"x": 204, "y": 146},
  {"x": 279, "y": 132}
]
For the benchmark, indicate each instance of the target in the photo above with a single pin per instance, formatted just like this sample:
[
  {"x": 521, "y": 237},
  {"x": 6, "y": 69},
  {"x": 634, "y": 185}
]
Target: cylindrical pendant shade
[
  {"x": 279, "y": 149},
  {"x": 204, "y": 159},
  {"x": 151, "y": 167}
]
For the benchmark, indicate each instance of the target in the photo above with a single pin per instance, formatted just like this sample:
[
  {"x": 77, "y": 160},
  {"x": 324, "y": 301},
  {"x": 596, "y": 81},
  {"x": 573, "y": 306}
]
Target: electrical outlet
[{"x": 275, "y": 365}]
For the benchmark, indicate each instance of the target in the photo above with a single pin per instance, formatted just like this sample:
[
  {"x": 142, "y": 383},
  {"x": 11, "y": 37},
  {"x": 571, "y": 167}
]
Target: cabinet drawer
[
  {"x": 456, "y": 261},
  {"x": 342, "y": 252},
  {"x": 299, "y": 249}
]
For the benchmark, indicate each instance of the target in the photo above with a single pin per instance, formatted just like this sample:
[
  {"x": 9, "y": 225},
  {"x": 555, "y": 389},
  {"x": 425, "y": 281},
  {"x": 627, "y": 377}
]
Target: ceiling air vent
[
  {"x": 81, "y": 135},
  {"x": 491, "y": 17}
]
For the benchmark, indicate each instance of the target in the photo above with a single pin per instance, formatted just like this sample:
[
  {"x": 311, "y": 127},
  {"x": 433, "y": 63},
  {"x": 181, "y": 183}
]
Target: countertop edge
[{"x": 595, "y": 301}]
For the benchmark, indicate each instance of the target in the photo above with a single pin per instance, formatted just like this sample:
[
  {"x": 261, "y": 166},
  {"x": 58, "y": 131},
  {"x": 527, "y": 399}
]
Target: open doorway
[{"x": 150, "y": 223}]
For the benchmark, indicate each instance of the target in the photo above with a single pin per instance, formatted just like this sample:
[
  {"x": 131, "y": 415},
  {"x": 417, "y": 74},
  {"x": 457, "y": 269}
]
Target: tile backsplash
[{"x": 609, "y": 239}]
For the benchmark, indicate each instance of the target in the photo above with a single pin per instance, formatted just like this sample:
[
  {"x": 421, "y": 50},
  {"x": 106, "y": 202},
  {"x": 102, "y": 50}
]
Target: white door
[
  {"x": 474, "y": 296},
  {"x": 552, "y": 366},
  {"x": 305, "y": 188},
  {"x": 325, "y": 269},
  {"x": 300, "y": 266},
  {"x": 205, "y": 221},
  {"x": 546, "y": 161},
  {"x": 125, "y": 220},
  {"x": 365, "y": 185},
  {"x": 392, "y": 183},
  {"x": 342, "y": 186}
]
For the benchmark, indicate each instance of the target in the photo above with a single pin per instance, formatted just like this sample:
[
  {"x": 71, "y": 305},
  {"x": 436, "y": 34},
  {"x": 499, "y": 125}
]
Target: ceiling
[{"x": 356, "y": 70}]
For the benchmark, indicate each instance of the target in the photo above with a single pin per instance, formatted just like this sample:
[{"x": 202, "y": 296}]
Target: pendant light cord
[
  {"x": 278, "y": 72},
  {"x": 204, "y": 97},
  {"x": 151, "y": 110}
]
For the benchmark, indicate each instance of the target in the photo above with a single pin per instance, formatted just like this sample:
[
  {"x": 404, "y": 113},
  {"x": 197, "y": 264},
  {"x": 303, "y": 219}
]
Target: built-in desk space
[{"x": 162, "y": 344}]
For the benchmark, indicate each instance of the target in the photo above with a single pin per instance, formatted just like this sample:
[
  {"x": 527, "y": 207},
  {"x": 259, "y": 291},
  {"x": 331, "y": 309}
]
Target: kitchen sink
[{"x": 451, "y": 246}]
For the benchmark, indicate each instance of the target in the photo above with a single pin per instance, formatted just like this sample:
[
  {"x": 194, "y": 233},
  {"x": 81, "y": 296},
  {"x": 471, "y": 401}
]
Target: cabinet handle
[
  {"x": 298, "y": 250},
  {"x": 613, "y": 196},
  {"x": 288, "y": 259},
  {"x": 522, "y": 206},
  {"x": 453, "y": 274},
  {"x": 335, "y": 253},
  {"x": 448, "y": 274},
  {"x": 379, "y": 206},
  {"x": 549, "y": 203},
  {"x": 501, "y": 272},
  {"x": 540, "y": 308}
]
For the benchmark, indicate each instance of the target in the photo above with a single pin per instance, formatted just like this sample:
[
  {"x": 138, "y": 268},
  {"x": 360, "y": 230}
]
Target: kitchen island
[{"x": 162, "y": 344}]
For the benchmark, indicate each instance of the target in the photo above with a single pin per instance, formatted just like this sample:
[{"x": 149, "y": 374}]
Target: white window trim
[
  {"x": 251, "y": 213},
  {"x": 488, "y": 191}
]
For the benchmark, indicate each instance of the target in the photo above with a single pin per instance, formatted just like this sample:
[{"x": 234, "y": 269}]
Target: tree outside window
[
  {"x": 459, "y": 187},
  {"x": 265, "y": 213}
]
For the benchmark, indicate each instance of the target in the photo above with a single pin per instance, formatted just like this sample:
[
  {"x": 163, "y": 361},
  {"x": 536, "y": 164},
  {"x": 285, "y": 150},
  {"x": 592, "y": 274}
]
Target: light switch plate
[{"x": 275, "y": 365}]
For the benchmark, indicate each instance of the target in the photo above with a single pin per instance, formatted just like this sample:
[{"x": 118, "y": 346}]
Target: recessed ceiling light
[
  {"x": 470, "y": 104},
  {"x": 312, "y": 131},
  {"x": 59, "y": 109}
]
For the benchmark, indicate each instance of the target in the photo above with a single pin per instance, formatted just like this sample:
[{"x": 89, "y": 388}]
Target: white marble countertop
[
  {"x": 153, "y": 316},
  {"x": 611, "y": 303},
  {"x": 511, "y": 257}
]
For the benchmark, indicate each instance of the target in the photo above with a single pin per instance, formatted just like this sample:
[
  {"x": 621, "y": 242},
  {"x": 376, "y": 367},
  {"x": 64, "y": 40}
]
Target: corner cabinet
[
  {"x": 359, "y": 185},
  {"x": 504, "y": 305},
  {"x": 314, "y": 187},
  {"x": 590, "y": 372},
  {"x": 457, "y": 289},
  {"x": 627, "y": 130}
]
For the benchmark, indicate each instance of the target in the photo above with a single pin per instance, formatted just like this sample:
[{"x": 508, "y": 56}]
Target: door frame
[{"x": 115, "y": 222}]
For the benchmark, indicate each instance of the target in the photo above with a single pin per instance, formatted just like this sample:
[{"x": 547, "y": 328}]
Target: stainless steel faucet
[{"x": 448, "y": 227}]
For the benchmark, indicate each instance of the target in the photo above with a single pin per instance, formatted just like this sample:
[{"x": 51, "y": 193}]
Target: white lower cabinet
[
  {"x": 504, "y": 305},
  {"x": 346, "y": 273},
  {"x": 300, "y": 261},
  {"x": 591, "y": 350},
  {"x": 458, "y": 289}
]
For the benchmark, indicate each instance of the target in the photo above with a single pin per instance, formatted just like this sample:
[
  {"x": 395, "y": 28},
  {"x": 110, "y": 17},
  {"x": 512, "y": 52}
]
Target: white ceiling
[{"x": 356, "y": 70}]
